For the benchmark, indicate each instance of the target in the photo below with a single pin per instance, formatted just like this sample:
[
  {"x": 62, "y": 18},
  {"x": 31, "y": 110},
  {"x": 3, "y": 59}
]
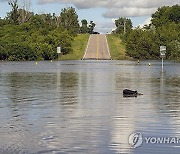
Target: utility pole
[{"x": 124, "y": 26}]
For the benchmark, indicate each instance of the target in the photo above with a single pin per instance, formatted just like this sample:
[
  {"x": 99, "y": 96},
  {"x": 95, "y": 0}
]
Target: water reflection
[
  {"x": 77, "y": 106},
  {"x": 153, "y": 120},
  {"x": 67, "y": 84}
]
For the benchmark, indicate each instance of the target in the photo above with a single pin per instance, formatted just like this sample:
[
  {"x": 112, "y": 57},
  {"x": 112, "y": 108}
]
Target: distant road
[{"x": 97, "y": 48}]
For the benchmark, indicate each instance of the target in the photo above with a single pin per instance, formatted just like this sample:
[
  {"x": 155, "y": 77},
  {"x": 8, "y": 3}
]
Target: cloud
[
  {"x": 118, "y": 8},
  {"x": 146, "y": 22},
  {"x": 128, "y": 12},
  {"x": 4, "y": 0},
  {"x": 104, "y": 27},
  {"x": 80, "y": 4}
]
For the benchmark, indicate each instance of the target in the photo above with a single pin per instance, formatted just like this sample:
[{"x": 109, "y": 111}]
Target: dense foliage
[
  {"x": 85, "y": 28},
  {"x": 28, "y": 36},
  {"x": 123, "y": 26},
  {"x": 164, "y": 29}
]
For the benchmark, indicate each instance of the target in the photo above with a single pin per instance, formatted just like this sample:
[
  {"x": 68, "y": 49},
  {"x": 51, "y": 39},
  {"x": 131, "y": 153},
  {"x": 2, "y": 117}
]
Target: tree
[
  {"x": 56, "y": 19},
  {"x": 14, "y": 14},
  {"x": 69, "y": 20},
  {"x": 84, "y": 27},
  {"x": 164, "y": 30},
  {"x": 169, "y": 35},
  {"x": 142, "y": 44},
  {"x": 175, "y": 14},
  {"x": 24, "y": 13},
  {"x": 123, "y": 25},
  {"x": 36, "y": 37},
  {"x": 91, "y": 27},
  {"x": 3, "y": 53},
  {"x": 37, "y": 22},
  {"x": 3, "y": 22},
  {"x": 165, "y": 15},
  {"x": 61, "y": 37},
  {"x": 174, "y": 48}
]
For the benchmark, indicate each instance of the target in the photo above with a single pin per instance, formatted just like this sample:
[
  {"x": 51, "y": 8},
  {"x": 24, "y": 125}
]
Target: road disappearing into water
[{"x": 97, "y": 48}]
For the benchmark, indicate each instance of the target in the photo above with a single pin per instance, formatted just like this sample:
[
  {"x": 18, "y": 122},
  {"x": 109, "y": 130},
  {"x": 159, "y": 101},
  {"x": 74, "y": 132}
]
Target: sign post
[
  {"x": 58, "y": 52},
  {"x": 162, "y": 54}
]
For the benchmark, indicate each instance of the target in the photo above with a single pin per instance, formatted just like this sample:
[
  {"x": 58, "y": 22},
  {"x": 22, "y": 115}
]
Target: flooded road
[{"x": 78, "y": 106}]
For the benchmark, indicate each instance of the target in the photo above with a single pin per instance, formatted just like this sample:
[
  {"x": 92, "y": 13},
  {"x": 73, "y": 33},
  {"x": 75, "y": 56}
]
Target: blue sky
[{"x": 102, "y": 12}]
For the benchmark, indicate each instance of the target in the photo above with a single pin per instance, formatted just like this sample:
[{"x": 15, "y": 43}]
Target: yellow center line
[{"x": 97, "y": 47}]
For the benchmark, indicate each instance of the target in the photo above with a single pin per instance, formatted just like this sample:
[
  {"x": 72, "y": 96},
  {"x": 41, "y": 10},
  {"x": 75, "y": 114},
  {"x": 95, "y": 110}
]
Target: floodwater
[{"x": 78, "y": 107}]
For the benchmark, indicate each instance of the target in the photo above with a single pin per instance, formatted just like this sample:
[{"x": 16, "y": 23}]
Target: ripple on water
[{"x": 78, "y": 107}]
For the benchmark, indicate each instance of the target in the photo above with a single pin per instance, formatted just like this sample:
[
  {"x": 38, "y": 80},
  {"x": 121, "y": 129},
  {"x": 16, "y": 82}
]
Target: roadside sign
[
  {"x": 162, "y": 51},
  {"x": 162, "y": 54},
  {"x": 58, "y": 49}
]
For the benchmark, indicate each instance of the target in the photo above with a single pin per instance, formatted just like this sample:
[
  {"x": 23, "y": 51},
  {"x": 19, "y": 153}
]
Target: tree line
[
  {"x": 25, "y": 35},
  {"x": 144, "y": 43}
]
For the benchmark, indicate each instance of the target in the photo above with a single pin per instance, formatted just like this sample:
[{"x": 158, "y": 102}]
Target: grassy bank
[
  {"x": 117, "y": 47},
  {"x": 78, "y": 46}
]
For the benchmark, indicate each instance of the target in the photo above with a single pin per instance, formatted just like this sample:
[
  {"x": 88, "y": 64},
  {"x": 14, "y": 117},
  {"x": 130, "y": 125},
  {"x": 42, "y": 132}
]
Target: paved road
[{"x": 97, "y": 48}]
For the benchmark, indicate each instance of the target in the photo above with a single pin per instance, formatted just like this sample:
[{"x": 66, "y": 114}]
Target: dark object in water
[{"x": 130, "y": 93}]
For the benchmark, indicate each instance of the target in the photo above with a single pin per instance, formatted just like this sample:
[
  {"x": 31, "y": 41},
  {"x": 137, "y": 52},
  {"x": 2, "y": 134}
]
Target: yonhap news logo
[{"x": 137, "y": 139}]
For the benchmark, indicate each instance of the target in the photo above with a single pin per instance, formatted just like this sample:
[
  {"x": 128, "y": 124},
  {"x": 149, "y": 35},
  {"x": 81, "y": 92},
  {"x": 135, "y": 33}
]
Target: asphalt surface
[{"x": 97, "y": 48}]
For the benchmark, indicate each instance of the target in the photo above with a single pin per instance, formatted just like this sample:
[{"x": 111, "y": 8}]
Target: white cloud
[
  {"x": 119, "y": 8},
  {"x": 104, "y": 27},
  {"x": 4, "y": 0},
  {"x": 146, "y": 22},
  {"x": 128, "y": 12}
]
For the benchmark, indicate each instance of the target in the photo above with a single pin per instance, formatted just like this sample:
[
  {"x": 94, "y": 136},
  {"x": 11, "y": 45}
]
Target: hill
[{"x": 117, "y": 47}]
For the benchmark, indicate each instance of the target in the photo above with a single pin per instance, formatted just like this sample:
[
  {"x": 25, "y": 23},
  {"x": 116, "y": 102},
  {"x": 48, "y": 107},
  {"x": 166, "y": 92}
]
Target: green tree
[
  {"x": 174, "y": 49},
  {"x": 141, "y": 44},
  {"x": 91, "y": 27},
  {"x": 3, "y": 54},
  {"x": 175, "y": 14},
  {"x": 69, "y": 20},
  {"x": 18, "y": 51},
  {"x": 3, "y": 22},
  {"x": 37, "y": 22},
  {"x": 164, "y": 30},
  {"x": 14, "y": 14},
  {"x": 169, "y": 35},
  {"x": 84, "y": 27},
  {"x": 123, "y": 25},
  {"x": 165, "y": 15}
]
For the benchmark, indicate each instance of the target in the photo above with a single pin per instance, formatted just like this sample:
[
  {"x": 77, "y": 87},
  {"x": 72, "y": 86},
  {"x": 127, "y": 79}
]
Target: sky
[{"x": 102, "y": 12}]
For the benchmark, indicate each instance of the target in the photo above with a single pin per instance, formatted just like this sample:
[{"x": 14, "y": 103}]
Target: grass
[
  {"x": 117, "y": 47},
  {"x": 79, "y": 46}
]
